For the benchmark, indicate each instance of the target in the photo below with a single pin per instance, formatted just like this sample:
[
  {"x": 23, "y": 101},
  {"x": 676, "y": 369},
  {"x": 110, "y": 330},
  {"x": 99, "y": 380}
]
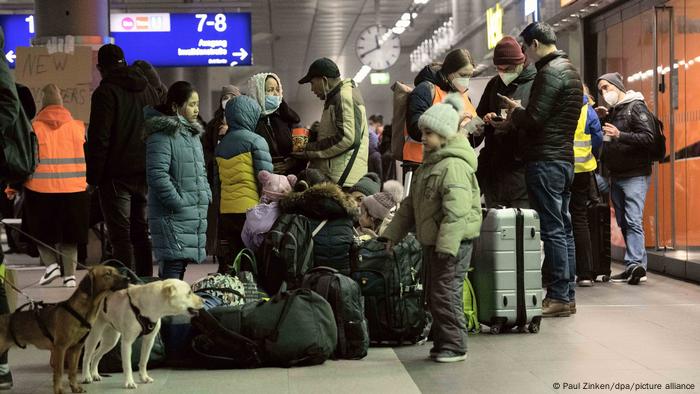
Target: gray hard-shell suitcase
[{"x": 507, "y": 270}]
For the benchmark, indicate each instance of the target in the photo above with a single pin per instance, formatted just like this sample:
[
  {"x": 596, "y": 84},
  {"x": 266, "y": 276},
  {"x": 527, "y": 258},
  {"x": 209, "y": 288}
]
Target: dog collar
[{"x": 147, "y": 326}]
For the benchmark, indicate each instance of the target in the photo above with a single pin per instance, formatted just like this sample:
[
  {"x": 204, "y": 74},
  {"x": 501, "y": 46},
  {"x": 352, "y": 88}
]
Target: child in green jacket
[{"x": 444, "y": 207}]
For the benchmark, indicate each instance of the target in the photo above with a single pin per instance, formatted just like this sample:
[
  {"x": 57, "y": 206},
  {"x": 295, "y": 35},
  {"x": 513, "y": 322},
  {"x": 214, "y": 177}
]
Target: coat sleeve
[
  {"x": 642, "y": 127},
  {"x": 347, "y": 130},
  {"x": 262, "y": 161},
  {"x": 419, "y": 100},
  {"x": 594, "y": 129},
  {"x": 456, "y": 201},
  {"x": 204, "y": 179},
  {"x": 9, "y": 101},
  {"x": 543, "y": 97},
  {"x": 158, "y": 158},
  {"x": 404, "y": 220},
  {"x": 98, "y": 134}
]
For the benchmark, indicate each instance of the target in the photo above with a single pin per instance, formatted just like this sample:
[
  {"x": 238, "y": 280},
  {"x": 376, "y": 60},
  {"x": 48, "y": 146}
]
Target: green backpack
[{"x": 470, "y": 309}]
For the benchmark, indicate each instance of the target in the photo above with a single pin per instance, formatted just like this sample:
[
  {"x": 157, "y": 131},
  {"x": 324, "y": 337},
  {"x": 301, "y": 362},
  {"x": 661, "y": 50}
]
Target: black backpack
[
  {"x": 657, "y": 151},
  {"x": 348, "y": 307},
  {"x": 19, "y": 150},
  {"x": 287, "y": 252},
  {"x": 392, "y": 285}
]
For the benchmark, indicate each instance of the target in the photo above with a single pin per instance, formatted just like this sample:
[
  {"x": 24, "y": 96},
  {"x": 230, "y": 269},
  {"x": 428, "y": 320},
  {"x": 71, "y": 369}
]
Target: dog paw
[
  {"x": 130, "y": 385},
  {"x": 86, "y": 380},
  {"x": 146, "y": 379},
  {"x": 77, "y": 389}
]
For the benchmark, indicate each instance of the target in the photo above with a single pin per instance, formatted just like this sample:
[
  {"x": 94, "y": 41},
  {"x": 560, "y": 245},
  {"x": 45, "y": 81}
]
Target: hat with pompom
[
  {"x": 274, "y": 186},
  {"x": 443, "y": 118},
  {"x": 380, "y": 204}
]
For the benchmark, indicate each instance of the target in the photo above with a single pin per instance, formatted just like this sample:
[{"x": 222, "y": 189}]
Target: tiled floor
[{"x": 621, "y": 334}]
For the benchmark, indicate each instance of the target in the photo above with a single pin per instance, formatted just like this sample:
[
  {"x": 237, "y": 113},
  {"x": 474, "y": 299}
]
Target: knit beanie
[
  {"x": 508, "y": 52},
  {"x": 443, "y": 118},
  {"x": 368, "y": 184},
  {"x": 274, "y": 186},
  {"x": 614, "y": 78},
  {"x": 378, "y": 205},
  {"x": 51, "y": 95}
]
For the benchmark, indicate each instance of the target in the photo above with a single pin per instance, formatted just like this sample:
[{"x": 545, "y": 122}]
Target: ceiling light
[
  {"x": 421, "y": 1},
  {"x": 565, "y": 20},
  {"x": 362, "y": 74},
  {"x": 398, "y": 30},
  {"x": 403, "y": 23},
  {"x": 593, "y": 5},
  {"x": 556, "y": 24},
  {"x": 406, "y": 16},
  {"x": 414, "y": 15},
  {"x": 573, "y": 15}
]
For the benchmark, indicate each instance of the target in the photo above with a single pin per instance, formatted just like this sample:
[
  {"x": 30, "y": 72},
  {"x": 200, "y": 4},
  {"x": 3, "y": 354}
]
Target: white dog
[{"x": 132, "y": 312}]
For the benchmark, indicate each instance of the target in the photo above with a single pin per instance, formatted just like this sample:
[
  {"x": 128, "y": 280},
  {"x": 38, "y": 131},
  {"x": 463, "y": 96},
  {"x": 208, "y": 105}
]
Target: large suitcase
[
  {"x": 507, "y": 273},
  {"x": 599, "y": 227}
]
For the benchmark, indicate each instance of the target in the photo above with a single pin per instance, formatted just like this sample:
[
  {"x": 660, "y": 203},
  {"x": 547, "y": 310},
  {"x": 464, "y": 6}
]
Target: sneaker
[
  {"x": 555, "y": 308},
  {"x": 638, "y": 272},
  {"x": 584, "y": 283},
  {"x": 643, "y": 279},
  {"x": 6, "y": 381},
  {"x": 572, "y": 307},
  {"x": 69, "y": 281},
  {"x": 622, "y": 277},
  {"x": 53, "y": 271},
  {"x": 448, "y": 356},
  {"x": 434, "y": 353}
]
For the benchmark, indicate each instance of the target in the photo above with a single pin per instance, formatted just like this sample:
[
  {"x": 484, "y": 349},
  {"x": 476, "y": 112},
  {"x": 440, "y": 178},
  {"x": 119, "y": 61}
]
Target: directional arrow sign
[
  {"x": 10, "y": 56},
  {"x": 243, "y": 54}
]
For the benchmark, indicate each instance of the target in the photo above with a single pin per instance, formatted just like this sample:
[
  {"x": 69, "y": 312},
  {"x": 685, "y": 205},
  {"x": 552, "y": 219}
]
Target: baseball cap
[
  {"x": 110, "y": 55},
  {"x": 323, "y": 67}
]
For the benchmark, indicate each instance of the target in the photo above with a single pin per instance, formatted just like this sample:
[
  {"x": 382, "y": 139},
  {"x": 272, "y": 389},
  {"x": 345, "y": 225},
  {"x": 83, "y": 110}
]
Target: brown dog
[{"x": 62, "y": 328}]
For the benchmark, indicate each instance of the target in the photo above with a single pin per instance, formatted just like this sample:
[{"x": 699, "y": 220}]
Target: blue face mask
[{"x": 272, "y": 102}]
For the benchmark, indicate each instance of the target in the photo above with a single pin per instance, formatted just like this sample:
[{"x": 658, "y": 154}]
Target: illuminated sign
[
  {"x": 379, "y": 78},
  {"x": 564, "y": 3},
  {"x": 494, "y": 25},
  {"x": 532, "y": 8},
  {"x": 163, "y": 39}
]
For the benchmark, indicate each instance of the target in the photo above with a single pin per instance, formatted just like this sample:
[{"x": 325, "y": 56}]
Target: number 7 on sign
[{"x": 202, "y": 18}]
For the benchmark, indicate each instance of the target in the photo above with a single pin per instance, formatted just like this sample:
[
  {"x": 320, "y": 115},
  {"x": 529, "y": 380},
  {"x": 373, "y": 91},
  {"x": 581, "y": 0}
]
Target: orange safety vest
[
  {"x": 61, "y": 167},
  {"x": 413, "y": 150}
]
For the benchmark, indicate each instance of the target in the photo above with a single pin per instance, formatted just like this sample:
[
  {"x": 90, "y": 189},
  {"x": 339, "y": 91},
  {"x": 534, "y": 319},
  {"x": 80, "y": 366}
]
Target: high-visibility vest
[
  {"x": 584, "y": 161},
  {"x": 413, "y": 150},
  {"x": 61, "y": 167}
]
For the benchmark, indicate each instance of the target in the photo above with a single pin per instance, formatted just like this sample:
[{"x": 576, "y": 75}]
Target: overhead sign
[
  {"x": 494, "y": 25},
  {"x": 163, "y": 39},
  {"x": 532, "y": 9},
  {"x": 379, "y": 78}
]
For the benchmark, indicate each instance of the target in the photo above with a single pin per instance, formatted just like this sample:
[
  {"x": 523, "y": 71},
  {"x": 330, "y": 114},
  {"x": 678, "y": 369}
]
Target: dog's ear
[
  {"x": 168, "y": 289},
  {"x": 87, "y": 285}
]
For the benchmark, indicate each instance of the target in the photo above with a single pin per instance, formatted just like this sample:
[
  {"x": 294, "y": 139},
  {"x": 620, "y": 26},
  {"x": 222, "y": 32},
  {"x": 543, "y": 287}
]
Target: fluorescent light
[
  {"x": 362, "y": 74},
  {"x": 406, "y": 16},
  {"x": 403, "y": 23},
  {"x": 421, "y": 1},
  {"x": 414, "y": 15},
  {"x": 398, "y": 30}
]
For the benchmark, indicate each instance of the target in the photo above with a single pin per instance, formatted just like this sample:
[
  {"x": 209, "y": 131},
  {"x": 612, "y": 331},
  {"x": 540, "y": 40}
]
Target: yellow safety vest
[{"x": 584, "y": 161}]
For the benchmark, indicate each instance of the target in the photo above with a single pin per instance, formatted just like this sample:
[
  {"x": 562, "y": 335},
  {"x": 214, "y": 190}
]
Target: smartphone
[{"x": 498, "y": 118}]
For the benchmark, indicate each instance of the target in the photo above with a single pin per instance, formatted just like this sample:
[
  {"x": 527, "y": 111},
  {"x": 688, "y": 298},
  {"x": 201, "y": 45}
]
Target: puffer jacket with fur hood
[
  {"x": 178, "y": 191},
  {"x": 333, "y": 244}
]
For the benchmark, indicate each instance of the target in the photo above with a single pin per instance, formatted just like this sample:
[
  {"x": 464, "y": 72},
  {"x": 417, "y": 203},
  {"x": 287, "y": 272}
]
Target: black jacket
[
  {"x": 628, "y": 155},
  {"x": 115, "y": 147},
  {"x": 421, "y": 98},
  {"x": 502, "y": 152},
  {"x": 551, "y": 116},
  {"x": 277, "y": 131}
]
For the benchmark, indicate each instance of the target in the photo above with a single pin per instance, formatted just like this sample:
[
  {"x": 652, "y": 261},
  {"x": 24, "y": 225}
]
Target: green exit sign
[{"x": 379, "y": 78}]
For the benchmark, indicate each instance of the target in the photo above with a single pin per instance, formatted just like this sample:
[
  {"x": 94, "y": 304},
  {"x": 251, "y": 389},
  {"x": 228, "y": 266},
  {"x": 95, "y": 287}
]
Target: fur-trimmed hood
[
  {"x": 322, "y": 201},
  {"x": 157, "y": 122}
]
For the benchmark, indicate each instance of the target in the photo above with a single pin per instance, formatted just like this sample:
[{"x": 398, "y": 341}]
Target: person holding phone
[{"x": 501, "y": 170}]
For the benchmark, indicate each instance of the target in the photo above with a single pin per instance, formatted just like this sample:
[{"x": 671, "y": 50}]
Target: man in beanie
[
  {"x": 501, "y": 171},
  {"x": 444, "y": 207},
  {"x": 115, "y": 153},
  {"x": 341, "y": 149},
  {"x": 549, "y": 120},
  {"x": 369, "y": 184},
  {"x": 629, "y": 129}
]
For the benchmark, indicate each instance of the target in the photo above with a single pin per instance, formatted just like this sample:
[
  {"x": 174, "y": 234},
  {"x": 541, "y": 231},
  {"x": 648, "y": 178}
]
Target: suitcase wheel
[
  {"x": 534, "y": 326},
  {"x": 605, "y": 278},
  {"x": 497, "y": 324}
]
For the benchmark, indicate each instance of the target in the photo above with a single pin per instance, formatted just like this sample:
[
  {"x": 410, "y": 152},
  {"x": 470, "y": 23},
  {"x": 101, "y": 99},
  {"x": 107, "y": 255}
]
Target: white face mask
[
  {"x": 611, "y": 97},
  {"x": 507, "y": 78},
  {"x": 461, "y": 84}
]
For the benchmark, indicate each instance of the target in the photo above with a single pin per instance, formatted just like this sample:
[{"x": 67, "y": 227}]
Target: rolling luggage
[
  {"x": 507, "y": 274},
  {"x": 599, "y": 227}
]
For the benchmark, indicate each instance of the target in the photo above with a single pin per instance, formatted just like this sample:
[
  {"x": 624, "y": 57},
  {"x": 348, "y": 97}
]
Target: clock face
[{"x": 376, "y": 51}]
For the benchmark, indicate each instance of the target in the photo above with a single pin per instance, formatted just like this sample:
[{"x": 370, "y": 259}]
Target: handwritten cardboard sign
[{"x": 72, "y": 73}]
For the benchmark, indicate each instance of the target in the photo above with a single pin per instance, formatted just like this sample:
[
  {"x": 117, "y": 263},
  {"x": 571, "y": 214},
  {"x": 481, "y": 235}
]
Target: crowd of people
[{"x": 175, "y": 187}]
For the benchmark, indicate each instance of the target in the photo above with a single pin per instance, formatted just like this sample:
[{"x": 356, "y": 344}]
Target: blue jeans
[
  {"x": 628, "y": 196},
  {"x": 548, "y": 185},
  {"x": 173, "y": 269}
]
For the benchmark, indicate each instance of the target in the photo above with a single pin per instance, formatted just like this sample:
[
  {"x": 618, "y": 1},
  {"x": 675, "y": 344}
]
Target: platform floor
[{"x": 621, "y": 334}]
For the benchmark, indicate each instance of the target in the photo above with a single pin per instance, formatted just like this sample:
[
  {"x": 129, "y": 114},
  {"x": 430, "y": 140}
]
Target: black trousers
[
  {"x": 4, "y": 308},
  {"x": 578, "y": 207},
  {"x": 123, "y": 204},
  {"x": 230, "y": 242}
]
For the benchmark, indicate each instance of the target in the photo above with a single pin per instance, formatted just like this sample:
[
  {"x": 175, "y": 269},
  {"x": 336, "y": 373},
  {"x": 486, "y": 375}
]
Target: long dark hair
[{"x": 178, "y": 94}]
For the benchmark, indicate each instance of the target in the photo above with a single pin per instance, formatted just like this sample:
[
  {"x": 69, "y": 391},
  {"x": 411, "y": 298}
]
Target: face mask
[
  {"x": 272, "y": 102},
  {"x": 507, "y": 78},
  {"x": 461, "y": 84},
  {"x": 611, "y": 97},
  {"x": 325, "y": 89},
  {"x": 223, "y": 104}
]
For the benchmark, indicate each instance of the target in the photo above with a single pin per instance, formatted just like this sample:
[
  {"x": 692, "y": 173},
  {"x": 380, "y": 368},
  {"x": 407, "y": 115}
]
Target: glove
[{"x": 443, "y": 256}]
